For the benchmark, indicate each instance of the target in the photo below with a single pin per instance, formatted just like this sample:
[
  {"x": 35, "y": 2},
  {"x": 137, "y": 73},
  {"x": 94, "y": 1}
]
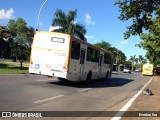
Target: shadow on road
[{"x": 110, "y": 82}]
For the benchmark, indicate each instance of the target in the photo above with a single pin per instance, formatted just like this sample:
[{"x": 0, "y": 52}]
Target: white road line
[
  {"x": 129, "y": 103},
  {"x": 47, "y": 99},
  {"x": 84, "y": 89},
  {"x": 45, "y": 80}
]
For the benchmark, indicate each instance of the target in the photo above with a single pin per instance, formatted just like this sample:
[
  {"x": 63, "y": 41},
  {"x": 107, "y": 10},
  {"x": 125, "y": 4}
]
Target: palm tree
[
  {"x": 141, "y": 59},
  {"x": 66, "y": 24},
  {"x": 136, "y": 61},
  {"x": 132, "y": 59}
]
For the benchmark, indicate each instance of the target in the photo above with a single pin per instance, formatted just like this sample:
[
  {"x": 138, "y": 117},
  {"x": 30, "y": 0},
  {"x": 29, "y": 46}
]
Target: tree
[
  {"x": 118, "y": 55},
  {"x": 103, "y": 44},
  {"x": 141, "y": 12},
  {"x": 4, "y": 46},
  {"x": 20, "y": 39},
  {"x": 4, "y": 32},
  {"x": 151, "y": 42},
  {"x": 133, "y": 59},
  {"x": 66, "y": 24},
  {"x": 136, "y": 63},
  {"x": 142, "y": 60},
  {"x": 128, "y": 64}
]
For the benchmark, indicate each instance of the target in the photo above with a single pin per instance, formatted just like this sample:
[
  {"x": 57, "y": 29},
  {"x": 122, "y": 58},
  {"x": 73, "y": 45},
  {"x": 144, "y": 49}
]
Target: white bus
[{"x": 66, "y": 57}]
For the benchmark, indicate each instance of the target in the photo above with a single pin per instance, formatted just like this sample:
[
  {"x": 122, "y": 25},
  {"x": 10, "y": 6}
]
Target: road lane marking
[
  {"x": 47, "y": 99},
  {"x": 45, "y": 80},
  {"x": 129, "y": 103},
  {"x": 82, "y": 90}
]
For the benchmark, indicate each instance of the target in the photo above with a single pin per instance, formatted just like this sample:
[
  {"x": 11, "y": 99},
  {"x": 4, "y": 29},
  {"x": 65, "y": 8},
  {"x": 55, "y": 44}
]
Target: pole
[
  {"x": 117, "y": 61},
  {"x": 40, "y": 13}
]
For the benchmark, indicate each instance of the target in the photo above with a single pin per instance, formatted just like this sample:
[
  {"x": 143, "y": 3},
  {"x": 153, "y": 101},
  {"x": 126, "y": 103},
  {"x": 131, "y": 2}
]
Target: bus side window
[
  {"x": 92, "y": 55},
  {"x": 107, "y": 58},
  {"x": 88, "y": 54},
  {"x": 75, "y": 50}
]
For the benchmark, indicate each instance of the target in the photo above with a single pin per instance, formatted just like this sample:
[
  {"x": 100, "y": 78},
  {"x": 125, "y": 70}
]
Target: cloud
[
  {"x": 124, "y": 42},
  {"x": 88, "y": 19},
  {"x": 54, "y": 28},
  {"x": 7, "y": 14},
  {"x": 89, "y": 37}
]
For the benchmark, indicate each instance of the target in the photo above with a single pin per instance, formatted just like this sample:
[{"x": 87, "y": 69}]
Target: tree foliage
[
  {"x": 4, "y": 32},
  {"x": 133, "y": 60},
  {"x": 118, "y": 55},
  {"x": 137, "y": 62},
  {"x": 66, "y": 24},
  {"x": 16, "y": 38},
  {"x": 145, "y": 15},
  {"x": 151, "y": 42},
  {"x": 140, "y": 12}
]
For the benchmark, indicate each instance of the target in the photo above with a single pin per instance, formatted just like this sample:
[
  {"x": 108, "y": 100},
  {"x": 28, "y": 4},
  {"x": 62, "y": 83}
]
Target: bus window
[
  {"x": 88, "y": 54},
  {"x": 56, "y": 39},
  {"x": 92, "y": 55},
  {"x": 107, "y": 58},
  {"x": 75, "y": 50}
]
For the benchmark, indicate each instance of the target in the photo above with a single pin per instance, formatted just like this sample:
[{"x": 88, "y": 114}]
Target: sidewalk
[
  {"x": 144, "y": 103},
  {"x": 147, "y": 104}
]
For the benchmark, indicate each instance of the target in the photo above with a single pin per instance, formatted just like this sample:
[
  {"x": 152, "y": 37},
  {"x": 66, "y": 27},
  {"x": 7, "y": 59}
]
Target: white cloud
[
  {"x": 7, "y": 14},
  {"x": 124, "y": 42},
  {"x": 88, "y": 19},
  {"x": 54, "y": 28},
  {"x": 89, "y": 37}
]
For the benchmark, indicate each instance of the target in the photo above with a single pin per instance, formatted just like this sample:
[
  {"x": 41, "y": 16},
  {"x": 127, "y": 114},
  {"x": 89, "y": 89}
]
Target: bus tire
[{"x": 89, "y": 77}]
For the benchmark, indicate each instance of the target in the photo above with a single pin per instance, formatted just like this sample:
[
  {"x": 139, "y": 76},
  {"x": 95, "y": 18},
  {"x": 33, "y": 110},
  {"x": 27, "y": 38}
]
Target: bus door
[
  {"x": 100, "y": 65},
  {"x": 82, "y": 62}
]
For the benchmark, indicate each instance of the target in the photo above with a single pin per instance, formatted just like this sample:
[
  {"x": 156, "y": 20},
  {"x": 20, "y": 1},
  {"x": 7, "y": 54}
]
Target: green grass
[{"x": 9, "y": 67}]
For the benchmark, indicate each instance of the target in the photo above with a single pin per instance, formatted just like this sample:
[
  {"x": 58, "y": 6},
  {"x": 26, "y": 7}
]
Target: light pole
[
  {"x": 40, "y": 13},
  {"x": 117, "y": 61}
]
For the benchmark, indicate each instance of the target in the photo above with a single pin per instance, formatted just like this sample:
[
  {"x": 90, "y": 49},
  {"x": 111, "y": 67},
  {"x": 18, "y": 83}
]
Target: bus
[
  {"x": 147, "y": 69},
  {"x": 66, "y": 57}
]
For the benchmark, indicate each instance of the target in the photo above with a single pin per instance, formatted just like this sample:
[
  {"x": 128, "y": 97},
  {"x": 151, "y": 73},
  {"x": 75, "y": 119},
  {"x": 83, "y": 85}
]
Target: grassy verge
[{"x": 9, "y": 67}]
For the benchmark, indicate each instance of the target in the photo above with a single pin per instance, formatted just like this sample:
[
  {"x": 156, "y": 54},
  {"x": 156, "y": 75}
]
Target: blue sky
[{"x": 99, "y": 17}]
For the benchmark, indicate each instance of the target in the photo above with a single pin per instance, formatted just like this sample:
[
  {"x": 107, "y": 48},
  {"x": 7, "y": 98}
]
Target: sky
[{"x": 99, "y": 17}]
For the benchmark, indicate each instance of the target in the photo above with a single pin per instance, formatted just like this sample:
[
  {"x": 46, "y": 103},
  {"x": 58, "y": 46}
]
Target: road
[{"x": 39, "y": 93}]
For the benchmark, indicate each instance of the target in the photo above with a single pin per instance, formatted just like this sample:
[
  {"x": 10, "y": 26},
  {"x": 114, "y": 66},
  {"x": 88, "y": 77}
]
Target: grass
[{"x": 9, "y": 67}]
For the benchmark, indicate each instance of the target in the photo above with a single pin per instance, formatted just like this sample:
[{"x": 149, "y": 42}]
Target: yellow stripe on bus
[{"x": 49, "y": 49}]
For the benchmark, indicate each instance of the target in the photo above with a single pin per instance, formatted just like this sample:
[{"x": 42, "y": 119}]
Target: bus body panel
[
  {"x": 63, "y": 56},
  {"x": 147, "y": 69},
  {"x": 49, "y": 54},
  {"x": 78, "y": 71}
]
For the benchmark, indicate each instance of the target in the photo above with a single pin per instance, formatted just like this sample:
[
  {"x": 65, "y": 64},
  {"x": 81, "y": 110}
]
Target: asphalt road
[{"x": 39, "y": 93}]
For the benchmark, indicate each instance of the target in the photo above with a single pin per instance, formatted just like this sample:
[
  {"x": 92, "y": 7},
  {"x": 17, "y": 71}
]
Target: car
[
  {"x": 137, "y": 70},
  {"x": 157, "y": 71},
  {"x": 126, "y": 70}
]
